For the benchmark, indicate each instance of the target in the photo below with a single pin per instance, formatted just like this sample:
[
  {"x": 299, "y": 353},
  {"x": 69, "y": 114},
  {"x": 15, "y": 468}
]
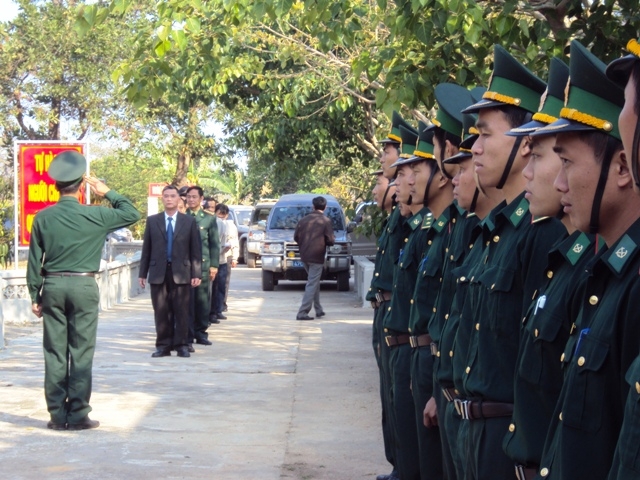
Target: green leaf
[{"x": 193, "y": 25}]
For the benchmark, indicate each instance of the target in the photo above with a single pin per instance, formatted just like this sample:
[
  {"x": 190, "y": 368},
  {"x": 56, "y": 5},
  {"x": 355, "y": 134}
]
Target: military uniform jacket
[
  {"x": 389, "y": 245},
  {"x": 429, "y": 274},
  {"x": 459, "y": 247},
  {"x": 404, "y": 279},
  {"x": 68, "y": 236},
  {"x": 208, "y": 228},
  {"x": 626, "y": 462},
  {"x": 500, "y": 291},
  {"x": 588, "y": 416},
  {"x": 546, "y": 330}
]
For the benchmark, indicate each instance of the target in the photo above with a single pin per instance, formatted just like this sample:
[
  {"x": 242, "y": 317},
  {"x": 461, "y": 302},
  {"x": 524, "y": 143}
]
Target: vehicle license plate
[{"x": 297, "y": 264}]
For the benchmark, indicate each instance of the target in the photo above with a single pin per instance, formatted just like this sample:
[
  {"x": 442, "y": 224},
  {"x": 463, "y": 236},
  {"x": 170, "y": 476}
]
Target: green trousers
[
  {"x": 70, "y": 319},
  {"x": 202, "y": 307}
]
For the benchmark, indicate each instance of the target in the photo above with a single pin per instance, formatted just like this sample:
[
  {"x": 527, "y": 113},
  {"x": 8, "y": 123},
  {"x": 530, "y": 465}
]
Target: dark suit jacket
[{"x": 186, "y": 255}]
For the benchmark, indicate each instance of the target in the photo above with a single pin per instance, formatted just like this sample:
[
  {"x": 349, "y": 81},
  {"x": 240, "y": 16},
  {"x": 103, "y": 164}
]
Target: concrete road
[{"x": 273, "y": 398}]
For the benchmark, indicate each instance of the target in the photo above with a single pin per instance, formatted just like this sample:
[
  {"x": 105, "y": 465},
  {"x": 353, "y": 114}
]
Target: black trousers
[{"x": 170, "y": 302}]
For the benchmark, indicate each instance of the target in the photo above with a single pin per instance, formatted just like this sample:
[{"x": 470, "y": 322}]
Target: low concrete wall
[
  {"x": 362, "y": 275},
  {"x": 117, "y": 282}
]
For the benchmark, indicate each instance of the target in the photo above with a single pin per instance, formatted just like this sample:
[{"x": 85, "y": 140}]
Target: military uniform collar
[
  {"x": 68, "y": 198},
  {"x": 576, "y": 246},
  {"x": 442, "y": 221},
  {"x": 415, "y": 220},
  {"x": 619, "y": 257},
  {"x": 461, "y": 211},
  {"x": 515, "y": 211}
]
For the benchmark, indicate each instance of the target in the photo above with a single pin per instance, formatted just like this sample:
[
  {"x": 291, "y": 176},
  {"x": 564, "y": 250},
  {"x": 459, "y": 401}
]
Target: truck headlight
[
  {"x": 335, "y": 249},
  {"x": 274, "y": 248}
]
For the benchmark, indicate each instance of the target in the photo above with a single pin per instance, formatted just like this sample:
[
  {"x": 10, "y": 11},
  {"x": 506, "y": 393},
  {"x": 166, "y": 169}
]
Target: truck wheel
[
  {"x": 267, "y": 281},
  {"x": 251, "y": 260},
  {"x": 243, "y": 253},
  {"x": 343, "y": 281}
]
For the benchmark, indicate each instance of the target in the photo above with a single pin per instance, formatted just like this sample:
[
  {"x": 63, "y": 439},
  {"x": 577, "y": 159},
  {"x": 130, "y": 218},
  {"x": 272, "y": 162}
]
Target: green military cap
[
  {"x": 395, "y": 136},
  {"x": 408, "y": 146},
  {"x": 551, "y": 102},
  {"x": 424, "y": 147},
  {"x": 511, "y": 83},
  {"x": 469, "y": 131},
  {"x": 620, "y": 69},
  {"x": 592, "y": 102},
  {"x": 68, "y": 167},
  {"x": 451, "y": 99}
]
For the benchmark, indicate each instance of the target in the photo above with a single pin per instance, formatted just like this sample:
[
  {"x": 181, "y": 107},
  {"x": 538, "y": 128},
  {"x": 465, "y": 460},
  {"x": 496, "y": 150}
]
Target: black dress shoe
[
  {"x": 161, "y": 352},
  {"x": 191, "y": 349},
  {"x": 213, "y": 319},
  {"x": 320, "y": 315},
  {"x": 304, "y": 317},
  {"x": 183, "y": 352},
  {"x": 203, "y": 341},
  {"x": 56, "y": 426},
  {"x": 221, "y": 317},
  {"x": 86, "y": 424}
]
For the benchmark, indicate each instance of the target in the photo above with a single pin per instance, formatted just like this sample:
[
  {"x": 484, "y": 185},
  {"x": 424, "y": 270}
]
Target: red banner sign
[{"x": 37, "y": 189}]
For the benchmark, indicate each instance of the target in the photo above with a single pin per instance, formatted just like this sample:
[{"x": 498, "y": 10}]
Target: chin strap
[
  {"x": 434, "y": 169},
  {"x": 472, "y": 208},
  {"x": 612, "y": 144},
  {"x": 384, "y": 197},
  {"x": 512, "y": 155}
]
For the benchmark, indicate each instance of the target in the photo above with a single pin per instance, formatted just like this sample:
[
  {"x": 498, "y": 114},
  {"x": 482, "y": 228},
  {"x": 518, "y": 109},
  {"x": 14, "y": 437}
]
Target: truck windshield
[{"x": 286, "y": 218}]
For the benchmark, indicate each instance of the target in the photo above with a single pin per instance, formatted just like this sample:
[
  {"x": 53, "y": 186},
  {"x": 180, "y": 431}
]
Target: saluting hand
[{"x": 97, "y": 187}]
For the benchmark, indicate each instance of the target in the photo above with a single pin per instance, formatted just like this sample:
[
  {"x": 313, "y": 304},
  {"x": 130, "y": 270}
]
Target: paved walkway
[{"x": 273, "y": 398}]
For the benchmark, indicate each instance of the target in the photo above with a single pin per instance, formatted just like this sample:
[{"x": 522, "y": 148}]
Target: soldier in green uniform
[
  {"x": 208, "y": 228},
  {"x": 396, "y": 320},
  {"x": 504, "y": 281},
  {"x": 425, "y": 317},
  {"x": 388, "y": 248},
  {"x": 595, "y": 181},
  {"x": 432, "y": 189},
  {"x": 476, "y": 204},
  {"x": 548, "y": 321},
  {"x": 626, "y": 73},
  {"x": 64, "y": 255}
]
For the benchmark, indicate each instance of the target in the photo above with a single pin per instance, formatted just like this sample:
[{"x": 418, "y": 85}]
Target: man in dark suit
[{"x": 172, "y": 257}]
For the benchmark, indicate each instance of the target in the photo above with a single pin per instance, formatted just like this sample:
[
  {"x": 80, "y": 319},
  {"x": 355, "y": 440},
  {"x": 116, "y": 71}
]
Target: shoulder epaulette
[
  {"x": 623, "y": 252},
  {"x": 579, "y": 247},
  {"x": 520, "y": 212},
  {"x": 414, "y": 222}
]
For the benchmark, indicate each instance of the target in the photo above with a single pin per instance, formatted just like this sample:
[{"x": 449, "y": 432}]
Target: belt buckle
[
  {"x": 413, "y": 341},
  {"x": 445, "y": 392},
  {"x": 379, "y": 297},
  {"x": 434, "y": 349},
  {"x": 520, "y": 472},
  {"x": 387, "y": 340},
  {"x": 462, "y": 407}
]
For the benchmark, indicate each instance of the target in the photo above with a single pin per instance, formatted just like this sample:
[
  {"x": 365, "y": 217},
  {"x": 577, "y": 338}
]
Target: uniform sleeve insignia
[
  {"x": 578, "y": 248},
  {"x": 520, "y": 212},
  {"x": 619, "y": 257}
]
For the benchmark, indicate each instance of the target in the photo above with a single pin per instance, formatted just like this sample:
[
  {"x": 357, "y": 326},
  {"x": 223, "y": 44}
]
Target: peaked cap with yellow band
[
  {"x": 394, "y": 135},
  {"x": 592, "y": 102},
  {"x": 511, "y": 83},
  {"x": 469, "y": 131},
  {"x": 620, "y": 69},
  {"x": 451, "y": 99},
  {"x": 408, "y": 147},
  {"x": 552, "y": 100}
]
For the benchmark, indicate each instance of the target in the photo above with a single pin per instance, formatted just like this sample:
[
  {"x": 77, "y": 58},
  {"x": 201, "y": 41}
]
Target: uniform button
[
  {"x": 477, "y": 326},
  {"x": 377, "y": 274},
  {"x": 512, "y": 428},
  {"x": 451, "y": 353},
  {"x": 377, "y": 249},
  {"x": 446, "y": 317},
  {"x": 389, "y": 309},
  {"x": 429, "y": 242},
  {"x": 493, "y": 286},
  {"x": 451, "y": 257},
  {"x": 438, "y": 354},
  {"x": 457, "y": 392},
  {"x": 412, "y": 301},
  {"x": 406, "y": 240},
  {"x": 467, "y": 370},
  {"x": 453, "y": 220},
  {"x": 562, "y": 357},
  {"x": 560, "y": 416},
  {"x": 401, "y": 264},
  {"x": 638, "y": 387},
  {"x": 544, "y": 472},
  {"x": 463, "y": 278},
  {"x": 409, "y": 330},
  {"x": 383, "y": 252},
  {"x": 487, "y": 243},
  {"x": 203, "y": 260},
  {"x": 386, "y": 330},
  {"x": 434, "y": 309},
  {"x": 573, "y": 327},
  {"x": 535, "y": 294},
  {"x": 496, "y": 239},
  {"x": 446, "y": 250},
  {"x": 581, "y": 361},
  {"x": 471, "y": 245},
  {"x": 549, "y": 274},
  {"x": 536, "y": 333},
  {"x": 440, "y": 279},
  {"x": 369, "y": 289},
  {"x": 593, "y": 300}
]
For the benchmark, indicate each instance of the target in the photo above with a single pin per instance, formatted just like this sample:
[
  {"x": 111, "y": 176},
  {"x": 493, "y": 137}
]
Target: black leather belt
[
  {"x": 524, "y": 473},
  {"x": 476, "y": 409},
  {"x": 70, "y": 274},
  {"x": 395, "y": 340},
  {"x": 420, "y": 341}
]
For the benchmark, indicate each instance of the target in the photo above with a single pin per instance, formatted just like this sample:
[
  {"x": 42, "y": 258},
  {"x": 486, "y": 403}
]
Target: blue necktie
[{"x": 169, "y": 239}]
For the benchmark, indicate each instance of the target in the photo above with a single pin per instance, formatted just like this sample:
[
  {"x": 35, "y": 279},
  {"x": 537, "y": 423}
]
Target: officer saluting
[{"x": 64, "y": 255}]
